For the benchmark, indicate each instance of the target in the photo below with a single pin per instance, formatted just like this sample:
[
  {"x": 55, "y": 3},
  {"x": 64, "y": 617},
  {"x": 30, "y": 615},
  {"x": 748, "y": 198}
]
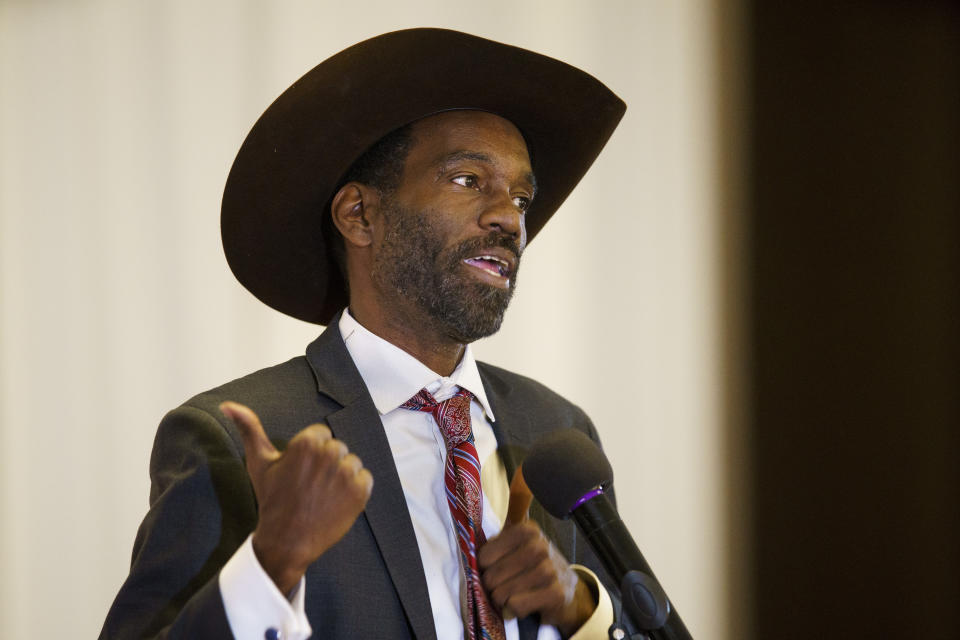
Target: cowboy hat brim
[{"x": 297, "y": 153}]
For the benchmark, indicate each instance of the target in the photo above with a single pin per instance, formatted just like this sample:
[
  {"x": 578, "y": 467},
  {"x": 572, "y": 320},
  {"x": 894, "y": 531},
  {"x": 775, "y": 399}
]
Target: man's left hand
[{"x": 523, "y": 572}]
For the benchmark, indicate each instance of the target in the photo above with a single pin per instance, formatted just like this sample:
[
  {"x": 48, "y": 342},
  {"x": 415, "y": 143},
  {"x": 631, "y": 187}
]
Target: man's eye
[
  {"x": 468, "y": 181},
  {"x": 522, "y": 203}
]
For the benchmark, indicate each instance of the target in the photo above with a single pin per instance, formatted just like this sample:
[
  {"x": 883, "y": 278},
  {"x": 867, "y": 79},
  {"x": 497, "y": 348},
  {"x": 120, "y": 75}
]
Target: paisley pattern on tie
[{"x": 465, "y": 499}]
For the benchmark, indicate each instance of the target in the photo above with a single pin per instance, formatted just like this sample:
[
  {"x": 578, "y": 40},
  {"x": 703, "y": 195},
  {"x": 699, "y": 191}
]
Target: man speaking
[{"x": 362, "y": 490}]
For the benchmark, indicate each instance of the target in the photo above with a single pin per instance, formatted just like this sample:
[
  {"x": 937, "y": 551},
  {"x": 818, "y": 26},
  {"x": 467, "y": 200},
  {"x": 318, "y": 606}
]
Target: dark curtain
[{"x": 854, "y": 288}]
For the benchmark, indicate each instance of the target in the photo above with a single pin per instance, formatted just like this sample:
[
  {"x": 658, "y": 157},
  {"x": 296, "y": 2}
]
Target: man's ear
[{"x": 351, "y": 211}]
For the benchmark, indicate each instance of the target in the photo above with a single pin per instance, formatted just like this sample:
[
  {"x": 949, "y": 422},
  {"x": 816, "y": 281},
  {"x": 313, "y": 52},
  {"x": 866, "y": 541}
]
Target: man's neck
[{"x": 416, "y": 336}]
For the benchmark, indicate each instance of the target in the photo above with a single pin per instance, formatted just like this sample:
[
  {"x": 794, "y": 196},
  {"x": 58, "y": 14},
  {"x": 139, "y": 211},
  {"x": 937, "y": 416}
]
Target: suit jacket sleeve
[{"x": 202, "y": 508}]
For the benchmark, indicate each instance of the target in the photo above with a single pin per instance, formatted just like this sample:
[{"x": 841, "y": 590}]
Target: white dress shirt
[{"x": 392, "y": 377}]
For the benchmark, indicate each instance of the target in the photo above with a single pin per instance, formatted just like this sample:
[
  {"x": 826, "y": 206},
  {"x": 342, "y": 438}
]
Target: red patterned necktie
[{"x": 465, "y": 499}]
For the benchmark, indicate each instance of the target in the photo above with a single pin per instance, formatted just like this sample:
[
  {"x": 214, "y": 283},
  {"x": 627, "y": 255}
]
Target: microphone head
[{"x": 564, "y": 466}]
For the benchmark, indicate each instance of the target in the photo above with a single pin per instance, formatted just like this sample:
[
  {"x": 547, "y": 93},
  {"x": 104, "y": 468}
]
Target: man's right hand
[{"x": 309, "y": 495}]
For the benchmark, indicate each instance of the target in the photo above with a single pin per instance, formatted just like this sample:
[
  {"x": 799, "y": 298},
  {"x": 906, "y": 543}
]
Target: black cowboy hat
[{"x": 299, "y": 150}]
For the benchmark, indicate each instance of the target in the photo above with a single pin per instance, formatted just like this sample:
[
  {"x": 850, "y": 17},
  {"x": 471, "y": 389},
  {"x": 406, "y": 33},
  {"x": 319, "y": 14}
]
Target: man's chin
[
  {"x": 478, "y": 313},
  {"x": 467, "y": 334}
]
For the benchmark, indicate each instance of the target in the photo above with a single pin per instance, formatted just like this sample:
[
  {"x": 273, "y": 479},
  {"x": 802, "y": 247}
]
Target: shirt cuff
[
  {"x": 598, "y": 624},
  {"x": 254, "y": 604}
]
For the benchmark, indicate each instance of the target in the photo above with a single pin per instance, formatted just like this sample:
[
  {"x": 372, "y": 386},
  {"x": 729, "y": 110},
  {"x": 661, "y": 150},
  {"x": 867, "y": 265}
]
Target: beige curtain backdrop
[{"x": 118, "y": 123}]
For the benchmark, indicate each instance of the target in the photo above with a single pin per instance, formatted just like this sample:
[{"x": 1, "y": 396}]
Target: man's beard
[{"x": 414, "y": 262}]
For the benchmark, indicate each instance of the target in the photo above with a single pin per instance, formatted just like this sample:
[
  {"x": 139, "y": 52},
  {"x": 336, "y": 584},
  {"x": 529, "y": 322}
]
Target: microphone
[{"x": 569, "y": 475}]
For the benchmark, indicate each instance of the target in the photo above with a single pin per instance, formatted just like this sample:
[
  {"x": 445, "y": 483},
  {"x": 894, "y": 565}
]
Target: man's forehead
[{"x": 468, "y": 135}]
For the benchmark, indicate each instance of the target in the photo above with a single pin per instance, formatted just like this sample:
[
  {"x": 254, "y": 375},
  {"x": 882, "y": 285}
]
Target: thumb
[
  {"x": 520, "y": 498},
  {"x": 260, "y": 451}
]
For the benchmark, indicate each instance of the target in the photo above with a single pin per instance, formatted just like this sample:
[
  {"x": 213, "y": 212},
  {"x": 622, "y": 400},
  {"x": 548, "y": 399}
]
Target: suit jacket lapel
[
  {"x": 511, "y": 428},
  {"x": 359, "y": 426}
]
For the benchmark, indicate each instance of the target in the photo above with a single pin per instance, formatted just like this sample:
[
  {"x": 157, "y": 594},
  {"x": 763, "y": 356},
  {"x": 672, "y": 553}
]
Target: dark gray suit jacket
[{"x": 370, "y": 584}]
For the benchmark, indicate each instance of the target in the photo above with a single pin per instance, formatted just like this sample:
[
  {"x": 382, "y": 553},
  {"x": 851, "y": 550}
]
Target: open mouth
[{"x": 490, "y": 264}]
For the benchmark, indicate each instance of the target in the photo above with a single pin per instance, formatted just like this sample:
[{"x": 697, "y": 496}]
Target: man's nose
[{"x": 505, "y": 216}]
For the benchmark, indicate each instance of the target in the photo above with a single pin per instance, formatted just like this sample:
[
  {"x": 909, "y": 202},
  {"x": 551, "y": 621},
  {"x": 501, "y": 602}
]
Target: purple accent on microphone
[{"x": 588, "y": 495}]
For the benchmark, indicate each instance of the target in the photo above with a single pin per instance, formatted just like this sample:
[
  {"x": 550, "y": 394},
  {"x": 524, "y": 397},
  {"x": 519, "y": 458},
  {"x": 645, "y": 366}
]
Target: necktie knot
[{"x": 452, "y": 415}]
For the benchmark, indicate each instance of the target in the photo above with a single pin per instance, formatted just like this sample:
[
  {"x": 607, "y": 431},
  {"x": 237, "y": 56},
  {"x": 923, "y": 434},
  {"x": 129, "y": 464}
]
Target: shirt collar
[{"x": 393, "y": 376}]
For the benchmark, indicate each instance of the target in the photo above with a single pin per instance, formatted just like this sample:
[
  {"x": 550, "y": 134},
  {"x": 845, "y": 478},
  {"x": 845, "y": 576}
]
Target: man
[{"x": 388, "y": 194}]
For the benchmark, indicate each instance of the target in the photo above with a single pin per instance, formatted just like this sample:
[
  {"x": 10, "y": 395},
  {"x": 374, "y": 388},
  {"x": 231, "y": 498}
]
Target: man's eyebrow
[{"x": 444, "y": 162}]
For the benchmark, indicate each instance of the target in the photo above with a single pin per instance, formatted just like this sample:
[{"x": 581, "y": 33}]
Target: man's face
[{"x": 454, "y": 228}]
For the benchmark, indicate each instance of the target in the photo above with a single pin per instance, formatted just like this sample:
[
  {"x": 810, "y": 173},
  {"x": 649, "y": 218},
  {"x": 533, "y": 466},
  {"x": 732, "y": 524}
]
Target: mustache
[{"x": 469, "y": 247}]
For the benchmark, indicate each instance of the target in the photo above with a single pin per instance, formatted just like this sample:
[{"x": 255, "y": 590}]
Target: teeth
[{"x": 494, "y": 264}]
